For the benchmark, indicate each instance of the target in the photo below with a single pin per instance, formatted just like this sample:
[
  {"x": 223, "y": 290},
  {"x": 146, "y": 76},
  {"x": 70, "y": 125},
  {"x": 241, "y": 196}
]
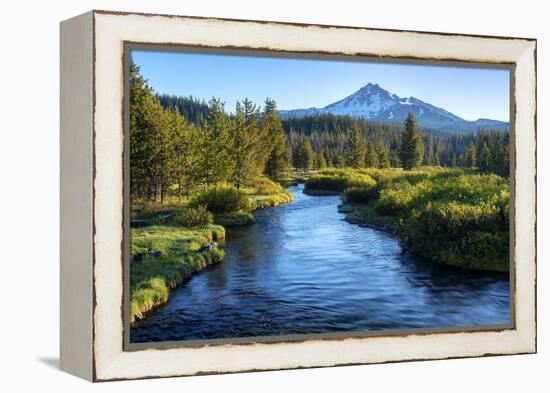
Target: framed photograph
[{"x": 248, "y": 195}]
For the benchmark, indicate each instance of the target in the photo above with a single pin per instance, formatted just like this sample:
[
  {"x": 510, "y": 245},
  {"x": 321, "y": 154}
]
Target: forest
[{"x": 321, "y": 141}]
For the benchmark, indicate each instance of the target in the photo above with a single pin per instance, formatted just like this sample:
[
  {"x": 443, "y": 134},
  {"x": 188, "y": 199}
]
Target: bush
[
  {"x": 222, "y": 199},
  {"x": 339, "y": 180},
  {"x": 263, "y": 201},
  {"x": 331, "y": 183},
  {"x": 446, "y": 215},
  {"x": 234, "y": 219},
  {"x": 360, "y": 181},
  {"x": 359, "y": 195},
  {"x": 458, "y": 234},
  {"x": 397, "y": 198},
  {"x": 265, "y": 186},
  {"x": 193, "y": 216}
]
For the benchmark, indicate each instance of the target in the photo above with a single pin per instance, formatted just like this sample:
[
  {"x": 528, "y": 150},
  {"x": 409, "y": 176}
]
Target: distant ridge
[{"x": 372, "y": 102}]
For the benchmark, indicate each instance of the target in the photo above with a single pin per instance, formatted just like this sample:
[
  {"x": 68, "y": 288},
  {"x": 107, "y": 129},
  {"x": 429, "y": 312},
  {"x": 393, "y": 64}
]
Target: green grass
[
  {"x": 218, "y": 199},
  {"x": 152, "y": 278},
  {"x": 451, "y": 216},
  {"x": 366, "y": 214},
  {"x": 234, "y": 219},
  {"x": 264, "y": 201}
]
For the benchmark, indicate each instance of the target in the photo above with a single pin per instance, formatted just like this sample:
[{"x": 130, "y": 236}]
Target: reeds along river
[{"x": 302, "y": 269}]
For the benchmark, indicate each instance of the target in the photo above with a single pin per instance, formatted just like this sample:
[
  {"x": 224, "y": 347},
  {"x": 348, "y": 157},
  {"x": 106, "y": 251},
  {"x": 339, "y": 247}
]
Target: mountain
[{"x": 374, "y": 103}]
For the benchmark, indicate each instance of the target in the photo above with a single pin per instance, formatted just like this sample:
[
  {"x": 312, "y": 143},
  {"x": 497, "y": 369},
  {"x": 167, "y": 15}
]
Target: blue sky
[{"x": 470, "y": 93}]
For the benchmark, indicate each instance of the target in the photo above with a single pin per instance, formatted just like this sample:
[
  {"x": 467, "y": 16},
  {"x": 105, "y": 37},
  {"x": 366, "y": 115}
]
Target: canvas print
[{"x": 278, "y": 196}]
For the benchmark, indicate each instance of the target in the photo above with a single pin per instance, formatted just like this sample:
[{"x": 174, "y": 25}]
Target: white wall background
[{"x": 29, "y": 198}]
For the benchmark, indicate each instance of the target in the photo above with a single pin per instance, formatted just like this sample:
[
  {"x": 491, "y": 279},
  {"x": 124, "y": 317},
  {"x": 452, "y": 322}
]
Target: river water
[{"x": 302, "y": 269}]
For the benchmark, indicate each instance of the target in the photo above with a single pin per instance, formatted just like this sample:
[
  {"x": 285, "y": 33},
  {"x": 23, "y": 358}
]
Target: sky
[{"x": 294, "y": 83}]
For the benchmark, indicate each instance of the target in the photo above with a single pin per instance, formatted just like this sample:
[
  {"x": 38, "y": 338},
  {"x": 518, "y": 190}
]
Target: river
[{"x": 302, "y": 269}]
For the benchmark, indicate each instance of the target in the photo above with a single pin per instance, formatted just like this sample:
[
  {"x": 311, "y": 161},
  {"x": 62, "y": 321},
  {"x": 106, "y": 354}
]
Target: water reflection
[{"x": 302, "y": 269}]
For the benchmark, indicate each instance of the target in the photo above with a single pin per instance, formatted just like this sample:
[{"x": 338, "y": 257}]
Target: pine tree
[
  {"x": 340, "y": 161},
  {"x": 356, "y": 152},
  {"x": 484, "y": 158},
  {"x": 150, "y": 143},
  {"x": 322, "y": 162},
  {"x": 141, "y": 154},
  {"x": 304, "y": 156},
  {"x": 278, "y": 159},
  {"x": 371, "y": 156},
  {"x": 470, "y": 156},
  {"x": 411, "y": 150},
  {"x": 248, "y": 145},
  {"x": 453, "y": 161},
  {"x": 436, "y": 160},
  {"x": 214, "y": 160},
  {"x": 383, "y": 156},
  {"x": 185, "y": 138}
]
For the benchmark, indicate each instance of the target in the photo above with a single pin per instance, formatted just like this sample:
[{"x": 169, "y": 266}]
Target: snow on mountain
[{"x": 375, "y": 103}]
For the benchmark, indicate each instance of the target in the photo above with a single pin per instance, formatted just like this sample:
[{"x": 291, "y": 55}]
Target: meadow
[{"x": 458, "y": 217}]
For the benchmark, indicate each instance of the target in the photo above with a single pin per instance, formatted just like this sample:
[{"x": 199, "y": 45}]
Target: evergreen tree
[
  {"x": 435, "y": 160},
  {"x": 341, "y": 161},
  {"x": 470, "y": 156},
  {"x": 304, "y": 156},
  {"x": 185, "y": 138},
  {"x": 321, "y": 161},
  {"x": 150, "y": 143},
  {"x": 453, "y": 161},
  {"x": 214, "y": 160},
  {"x": 141, "y": 152},
  {"x": 411, "y": 149},
  {"x": 484, "y": 158},
  {"x": 502, "y": 159},
  {"x": 356, "y": 152},
  {"x": 371, "y": 156},
  {"x": 248, "y": 145},
  {"x": 383, "y": 156},
  {"x": 278, "y": 159}
]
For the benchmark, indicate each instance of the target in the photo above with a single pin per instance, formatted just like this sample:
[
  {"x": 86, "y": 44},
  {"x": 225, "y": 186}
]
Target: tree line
[
  {"x": 170, "y": 154},
  {"x": 323, "y": 140},
  {"x": 180, "y": 142}
]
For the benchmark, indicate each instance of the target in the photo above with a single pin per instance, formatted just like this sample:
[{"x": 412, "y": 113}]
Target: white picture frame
[{"x": 92, "y": 195}]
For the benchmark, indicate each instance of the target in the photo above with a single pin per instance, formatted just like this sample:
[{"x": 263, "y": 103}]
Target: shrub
[
  {"x": 265, "y": 186},
  {"x": 359, "y": 181},
  {"x": 339, "y": 180},
  {"x": 217, "y": 255},
  {"x": 332, "y": 183},
  {"x": 447, "y": 215},
  {"x": 359, "y": 195},
  {"x": 234, "y": 219},
  {"x": 222, "y": 199},
  {"x": 473, "y": 236},
  {"x": 397, "y": 198},
  {"x": 193, "y": 216},
  {"x": 263, "y": 201}
]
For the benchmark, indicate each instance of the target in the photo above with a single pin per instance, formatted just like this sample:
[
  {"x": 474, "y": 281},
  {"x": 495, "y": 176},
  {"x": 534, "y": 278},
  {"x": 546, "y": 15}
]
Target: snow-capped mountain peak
[{"x": 372, "y": 102}]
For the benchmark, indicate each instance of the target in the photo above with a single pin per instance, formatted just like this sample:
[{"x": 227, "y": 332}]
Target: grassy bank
[
  {"x": 172, "y": 243},
  {"x": 451, "y": 216},
  {"x": 152, "y": 277},
  {"x": 228, "y": 205}
]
